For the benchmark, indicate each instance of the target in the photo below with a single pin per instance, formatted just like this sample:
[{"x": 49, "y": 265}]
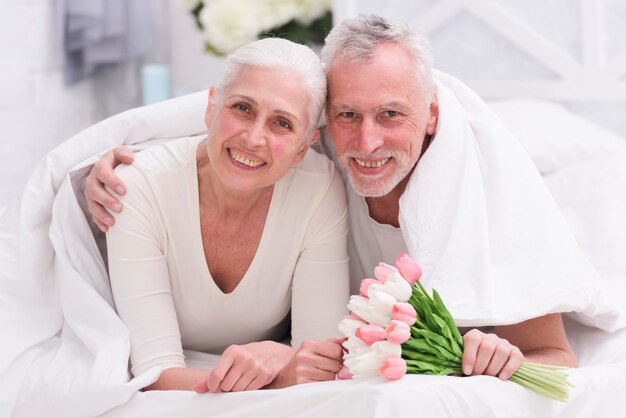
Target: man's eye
[
  {"x": 391, "y": 113},
  {"x": 348, "y": 115}
]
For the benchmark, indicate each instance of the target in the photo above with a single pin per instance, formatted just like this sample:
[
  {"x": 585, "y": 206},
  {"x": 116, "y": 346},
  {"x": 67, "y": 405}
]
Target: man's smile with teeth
[
  {"x": 243, "y": 160},
  {"x": 372, "y": 164}
]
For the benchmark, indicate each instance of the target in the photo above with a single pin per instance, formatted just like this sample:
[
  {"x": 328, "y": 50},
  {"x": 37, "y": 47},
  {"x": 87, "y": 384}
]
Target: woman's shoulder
[
  {"x": 163, "y": 165},
  {"x": 315, "y": 163},
  {"x": 169, "y": 155},
  {"x": 314, "y": 178}
]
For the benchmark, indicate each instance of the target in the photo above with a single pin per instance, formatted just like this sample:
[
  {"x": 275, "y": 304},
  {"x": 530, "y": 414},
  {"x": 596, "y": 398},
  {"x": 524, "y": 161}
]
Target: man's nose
[{"x": 371, "y": 137}]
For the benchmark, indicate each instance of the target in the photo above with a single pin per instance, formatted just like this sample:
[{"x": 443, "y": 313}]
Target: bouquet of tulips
[{"x": 396, "y": 327}]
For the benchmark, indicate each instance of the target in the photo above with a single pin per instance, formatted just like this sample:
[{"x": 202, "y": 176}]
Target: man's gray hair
[
  {"x": 356, "y": 39},
  {"x": 280, "y": 53}
]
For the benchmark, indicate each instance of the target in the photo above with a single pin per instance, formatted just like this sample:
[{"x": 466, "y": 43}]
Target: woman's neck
[{"x": 223, "y": 200}]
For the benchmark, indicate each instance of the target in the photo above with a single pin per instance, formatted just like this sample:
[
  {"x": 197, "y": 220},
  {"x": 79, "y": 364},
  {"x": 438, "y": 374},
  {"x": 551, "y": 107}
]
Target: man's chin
[{"x": 370, "y": 190}]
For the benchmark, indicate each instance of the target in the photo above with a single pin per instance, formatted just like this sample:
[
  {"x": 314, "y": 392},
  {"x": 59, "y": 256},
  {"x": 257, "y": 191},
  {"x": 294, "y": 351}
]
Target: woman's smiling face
[{"x": 257, "y": 127}]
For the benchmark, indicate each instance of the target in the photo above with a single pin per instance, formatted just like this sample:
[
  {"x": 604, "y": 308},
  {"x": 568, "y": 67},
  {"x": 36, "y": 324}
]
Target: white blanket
[
  {"x": 479, "y": 219},
  {"x": 64, "y": 352}
]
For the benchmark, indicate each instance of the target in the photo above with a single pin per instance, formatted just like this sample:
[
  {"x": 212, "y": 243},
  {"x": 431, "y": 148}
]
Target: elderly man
[{"x": 383, "y": 114}]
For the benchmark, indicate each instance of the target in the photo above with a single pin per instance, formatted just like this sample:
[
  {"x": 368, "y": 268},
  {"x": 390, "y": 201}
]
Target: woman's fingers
[{"x": 219, "y": 372}]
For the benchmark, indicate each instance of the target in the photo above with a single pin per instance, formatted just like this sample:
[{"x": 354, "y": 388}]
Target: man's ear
[
  {"x": 210, "y": 106},
  {"x": 433, "y": 115}
]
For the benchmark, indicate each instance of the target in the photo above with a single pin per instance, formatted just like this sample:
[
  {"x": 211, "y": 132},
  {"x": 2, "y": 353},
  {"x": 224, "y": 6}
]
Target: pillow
[
  {"x": 553, "y": 136},
  {"x": 592, "y": 197}
]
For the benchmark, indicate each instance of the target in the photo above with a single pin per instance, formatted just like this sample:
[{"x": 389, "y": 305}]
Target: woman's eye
[
  {"x": 242, "y": 107},
  {"x": 283, "y": 124}
]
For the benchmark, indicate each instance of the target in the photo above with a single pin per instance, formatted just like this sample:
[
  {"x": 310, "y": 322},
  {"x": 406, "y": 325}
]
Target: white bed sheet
[{"x": 599, "y": 383}]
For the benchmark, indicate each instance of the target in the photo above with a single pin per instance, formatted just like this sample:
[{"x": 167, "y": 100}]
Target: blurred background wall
[
  {"x": 67, "y": 64},
  {"x": 39, "y": 109}
]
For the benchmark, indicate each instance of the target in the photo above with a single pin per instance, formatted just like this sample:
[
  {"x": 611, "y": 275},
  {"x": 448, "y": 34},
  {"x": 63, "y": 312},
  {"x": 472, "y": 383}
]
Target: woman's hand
[
  {"x": 315, "y": 361},
  {"x": 490, "y": 355},
  {"x": 98, "y": 199},
  {"x": 246, "y": 367}
]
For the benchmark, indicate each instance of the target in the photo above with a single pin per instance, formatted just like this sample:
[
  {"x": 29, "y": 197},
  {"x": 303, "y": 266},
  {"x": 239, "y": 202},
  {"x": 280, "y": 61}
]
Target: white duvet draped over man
[{"x": 65, "y": 351}]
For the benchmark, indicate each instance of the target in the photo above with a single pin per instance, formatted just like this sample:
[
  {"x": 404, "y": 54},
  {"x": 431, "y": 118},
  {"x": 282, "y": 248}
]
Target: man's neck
[{"x": 385, "y": 209}]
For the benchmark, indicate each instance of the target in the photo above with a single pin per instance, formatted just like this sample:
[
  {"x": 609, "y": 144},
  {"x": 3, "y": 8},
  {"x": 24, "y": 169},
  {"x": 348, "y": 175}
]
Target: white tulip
[
  {"x": 348, "y": 326},
  {"x": 365, "y": 365},
  {"x": 398, "y": 287},
  {"x": 355, "y": 347},
  {"x": 387, "y": 349},
  {"x": 380, "y": 298}
]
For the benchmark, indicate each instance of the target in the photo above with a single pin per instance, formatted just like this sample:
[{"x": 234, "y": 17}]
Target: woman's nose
[{"x": 256, "y": 135}]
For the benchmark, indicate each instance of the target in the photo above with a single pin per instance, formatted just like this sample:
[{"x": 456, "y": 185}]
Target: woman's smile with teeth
[
  {"x": 372, "y": 164},
  {"x": 243, "y": 160}
]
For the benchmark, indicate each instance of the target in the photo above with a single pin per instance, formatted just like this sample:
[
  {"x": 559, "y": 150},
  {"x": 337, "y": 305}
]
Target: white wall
[
  {"x": 36, "y": 110},
  {"x": 192, "y": 69}
]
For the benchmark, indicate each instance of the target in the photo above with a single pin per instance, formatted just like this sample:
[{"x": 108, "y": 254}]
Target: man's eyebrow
[
  {"x": 392, "y": 105},
  {"x": 254, "y": 102},
  {"x": 342, "y": 106}
]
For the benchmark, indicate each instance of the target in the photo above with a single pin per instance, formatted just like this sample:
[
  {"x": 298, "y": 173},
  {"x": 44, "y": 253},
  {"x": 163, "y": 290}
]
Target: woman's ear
[
  {"x": 210, "y": 106},
  {"x": 315, "y": 136},
  {"x": 433, "y": 115}
]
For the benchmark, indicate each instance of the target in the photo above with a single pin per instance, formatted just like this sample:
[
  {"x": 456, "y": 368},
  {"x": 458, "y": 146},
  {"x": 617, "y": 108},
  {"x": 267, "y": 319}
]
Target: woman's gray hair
[
  {"x": 281, "y": 53},
  {"x": 356, "y": 39}
]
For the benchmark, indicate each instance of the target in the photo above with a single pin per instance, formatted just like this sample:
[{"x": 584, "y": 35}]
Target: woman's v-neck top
[{"x": 161, "y": 284}]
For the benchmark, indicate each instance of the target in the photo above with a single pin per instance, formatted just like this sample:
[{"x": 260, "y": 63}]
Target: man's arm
[
  {"x": 542, "y": 340},
  {"x": 538, "y": 340},
  {"x": 102, "y": 174}
]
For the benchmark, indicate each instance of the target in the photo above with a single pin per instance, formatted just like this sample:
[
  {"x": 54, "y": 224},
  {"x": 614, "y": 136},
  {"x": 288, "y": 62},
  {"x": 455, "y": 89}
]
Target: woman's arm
[
  {"x": 142, "y": 291},
  {"x": 320, "y": 292}
]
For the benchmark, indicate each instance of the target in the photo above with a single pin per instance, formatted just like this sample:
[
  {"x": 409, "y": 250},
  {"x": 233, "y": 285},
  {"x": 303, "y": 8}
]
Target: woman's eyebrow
[{"x": 255, "y": 103}]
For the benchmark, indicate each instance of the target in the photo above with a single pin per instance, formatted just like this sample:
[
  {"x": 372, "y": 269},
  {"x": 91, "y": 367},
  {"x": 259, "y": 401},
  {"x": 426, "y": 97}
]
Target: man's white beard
[{"x": 377, "y": 185}]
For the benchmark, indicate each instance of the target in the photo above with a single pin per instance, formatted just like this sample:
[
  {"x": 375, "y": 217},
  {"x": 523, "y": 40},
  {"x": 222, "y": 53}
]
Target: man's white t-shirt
[
  {"x": 164, "y": 291},
  {"x": 369, "y": 242}
]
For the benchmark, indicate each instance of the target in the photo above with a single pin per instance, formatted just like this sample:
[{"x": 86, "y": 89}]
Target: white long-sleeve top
[{"x": 164, "y": 291}]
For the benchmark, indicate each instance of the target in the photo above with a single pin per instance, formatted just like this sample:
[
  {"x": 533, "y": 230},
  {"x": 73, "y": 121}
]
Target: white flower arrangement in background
[{"x": 228, "y": 24}]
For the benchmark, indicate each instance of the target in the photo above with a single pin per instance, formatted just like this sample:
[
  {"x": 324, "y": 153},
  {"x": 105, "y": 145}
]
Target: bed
[{"x": 582, "y": 158}]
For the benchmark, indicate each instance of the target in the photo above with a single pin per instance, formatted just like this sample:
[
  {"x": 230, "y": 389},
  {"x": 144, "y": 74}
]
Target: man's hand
[
  {"x": 490, "y": 355},
  {"x": 98, "y": 199},
  {"x": 315, "y": 361},
  {"x": 246, "y": 367}
]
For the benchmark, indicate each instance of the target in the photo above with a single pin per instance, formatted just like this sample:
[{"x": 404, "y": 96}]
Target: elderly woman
[{"x": 228, "y": 241}]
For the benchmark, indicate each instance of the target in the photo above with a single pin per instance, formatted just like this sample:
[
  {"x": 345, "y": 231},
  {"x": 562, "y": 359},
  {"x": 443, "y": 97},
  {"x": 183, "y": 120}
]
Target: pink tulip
[
  {"x": 354, "y": 316},
  {"x": 397, "y": 332},
  {"x": 365, "y": 284},
  {"x": 382, "y": 270},
  {"x": 404, "y": 312},
  {"x": 344, "y": 373},
  {"x": 393, "y": 368},
  {"x": 408, "y": 268},
  {"x": 370, "y": 334}
]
